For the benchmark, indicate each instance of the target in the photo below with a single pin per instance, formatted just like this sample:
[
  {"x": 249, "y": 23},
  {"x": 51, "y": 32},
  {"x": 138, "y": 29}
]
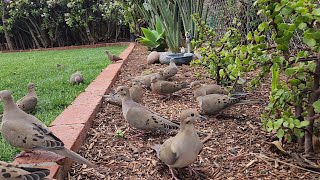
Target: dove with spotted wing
[
  {"x": 11, "y": 171},
  {"x": 25, "y": 131},
  {"x": 29, "y": 102},
  {"x": 138, "y": 116},
  {"x": 205, "y": 89},
  {"x": 183, "y": 149},
  {"x": 166, "y": 88},
  {"x": 170, "y": 70},
  {"x": 212, "y": 104}
]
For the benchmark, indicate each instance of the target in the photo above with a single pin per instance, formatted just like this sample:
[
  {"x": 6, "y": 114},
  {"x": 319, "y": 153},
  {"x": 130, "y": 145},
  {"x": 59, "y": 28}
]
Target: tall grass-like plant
[
  {"x": 168, "y": 13},
  {"x": 187, "y": 9}
]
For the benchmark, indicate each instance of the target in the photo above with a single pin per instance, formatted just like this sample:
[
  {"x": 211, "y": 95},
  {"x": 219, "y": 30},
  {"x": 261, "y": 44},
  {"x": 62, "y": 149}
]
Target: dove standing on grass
[
  {"x": 11, "y": 171},
  {"x": 212, "y": 104},
  {"x": 140, "y": 117},
  {"x": 166, "y": 88},
  {"x": 205, "y": 89},
  {"x": 170, "y": 70},
  {"x": 183, "y": 149},
  {"x": 76, "y": 78},
  {"x": 25, "y": 131},
  {"x": 29, "y": 102},
  {"x": 112, "y": 57}
]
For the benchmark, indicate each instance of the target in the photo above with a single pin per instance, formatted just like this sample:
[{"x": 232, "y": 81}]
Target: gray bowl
[{"x": 179, "y": 58}]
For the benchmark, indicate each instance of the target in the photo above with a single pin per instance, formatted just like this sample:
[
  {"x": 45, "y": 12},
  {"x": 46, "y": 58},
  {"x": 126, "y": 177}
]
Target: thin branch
[{"x": 261, "y": 156}]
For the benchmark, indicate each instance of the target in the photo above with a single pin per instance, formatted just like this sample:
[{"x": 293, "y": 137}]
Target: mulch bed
[{"x": 233, "y": 143}]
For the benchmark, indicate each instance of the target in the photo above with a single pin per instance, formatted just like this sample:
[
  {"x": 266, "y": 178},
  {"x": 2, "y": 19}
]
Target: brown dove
[
  {"x": 212, "y": 104},
  {"x": 25, "y": 131},
  {"x": 76, "y": 78},
  {"x": 183, "y": 149},
  {"x": 146, "y": 79},
  {"x": 136, "y": 93},
  {"x": 205, "y": 89},
  {"x": 29, "y": 102},
  {"x": 138, "y": 116},
  {"x": 170, "y": 70},
  {"x": 112, "y": 57},
  {"x": 166, "y": 88},
  {"x": 11, "y": 171}
]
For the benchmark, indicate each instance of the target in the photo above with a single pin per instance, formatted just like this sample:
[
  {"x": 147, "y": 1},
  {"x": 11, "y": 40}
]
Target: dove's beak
[{"x": 203, "y": 117}]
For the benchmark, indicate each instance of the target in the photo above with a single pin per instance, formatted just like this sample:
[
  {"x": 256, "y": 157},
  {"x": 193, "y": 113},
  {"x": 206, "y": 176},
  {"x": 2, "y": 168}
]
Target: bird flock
[{"x": 25, "y": 131}]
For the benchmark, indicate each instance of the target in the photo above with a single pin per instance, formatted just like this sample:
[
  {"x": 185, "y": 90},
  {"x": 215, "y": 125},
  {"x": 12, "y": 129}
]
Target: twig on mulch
[
  {"x": 262, "y": 156},
  {"x": 207, "y": 138}
]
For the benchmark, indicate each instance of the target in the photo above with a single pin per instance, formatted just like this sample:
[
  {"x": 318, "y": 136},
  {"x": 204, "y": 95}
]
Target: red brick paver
[{"x": 72, "y": 125}]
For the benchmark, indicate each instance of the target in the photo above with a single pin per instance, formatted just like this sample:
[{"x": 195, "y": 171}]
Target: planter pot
[{"x": 179, "y": 58}]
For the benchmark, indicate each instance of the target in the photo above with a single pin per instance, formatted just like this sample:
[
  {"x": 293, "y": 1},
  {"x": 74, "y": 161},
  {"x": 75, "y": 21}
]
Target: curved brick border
[{"x": 72, "y": 125}]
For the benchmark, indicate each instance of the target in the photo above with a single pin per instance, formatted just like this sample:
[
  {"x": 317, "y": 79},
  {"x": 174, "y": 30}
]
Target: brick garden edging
[{"x": 72, "y": 125}]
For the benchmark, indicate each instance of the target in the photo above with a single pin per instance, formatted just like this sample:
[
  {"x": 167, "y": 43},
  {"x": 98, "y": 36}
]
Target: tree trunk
[
  {"x": 88, "y": 32},
  {"x": 5, "y": 29},
  {"x": 33, "y": 36},
  {"x": 314, "y": 96}
]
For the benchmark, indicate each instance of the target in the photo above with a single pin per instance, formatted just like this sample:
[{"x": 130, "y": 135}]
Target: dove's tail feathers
[
  {"x": 36, "y": 173},
  {"x": 157, "y": 147},
  {"x": 239, "y": 94},
  {"x": 250, "y": 102},
  {"x": 116, "y": 58},
  {"x": 72, "y": 155}
]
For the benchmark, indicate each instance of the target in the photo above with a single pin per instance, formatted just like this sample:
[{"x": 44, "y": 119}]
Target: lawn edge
[
  {"x": 70, "y": 47},
  {"x": 72, "y": 125}
]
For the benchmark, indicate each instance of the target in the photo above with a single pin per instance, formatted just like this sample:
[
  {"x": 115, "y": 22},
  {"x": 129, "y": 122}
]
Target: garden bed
[{"x": 231, "y": 151}]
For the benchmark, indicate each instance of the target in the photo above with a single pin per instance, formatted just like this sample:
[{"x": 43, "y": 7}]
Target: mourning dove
[
  {"x": 112, "y": 57},
  {"x": 76, "y": 78},
  {"x": 29, "y": 102},
  {"x": 146, "y": 79},
  {"x": 140, "y": 117},
  {"x": 25, "y": 131},
  {"x": 170, "y": 70},
  {"x": 136, "y": 93},
  {"x": 166, "y": 88},
  {"x": 11, "y": 171},
  {"x": 212, "y": 104},
  {"x": 205, "y": 89},
  {"x": 183, "y": 149}
]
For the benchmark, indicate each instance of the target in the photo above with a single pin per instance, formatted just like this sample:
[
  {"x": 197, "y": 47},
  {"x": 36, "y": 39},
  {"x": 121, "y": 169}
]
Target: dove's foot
[
  {"x": 173, "y": 177},
  {"x": 192, "y": 171}
]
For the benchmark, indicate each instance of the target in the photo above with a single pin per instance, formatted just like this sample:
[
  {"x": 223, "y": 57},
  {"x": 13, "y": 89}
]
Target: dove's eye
[{"x": 192, "y": 114}]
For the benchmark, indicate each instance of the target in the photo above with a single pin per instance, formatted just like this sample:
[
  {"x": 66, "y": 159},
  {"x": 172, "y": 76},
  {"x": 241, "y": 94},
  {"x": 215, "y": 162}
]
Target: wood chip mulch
[{"x": 235, "y": 146}]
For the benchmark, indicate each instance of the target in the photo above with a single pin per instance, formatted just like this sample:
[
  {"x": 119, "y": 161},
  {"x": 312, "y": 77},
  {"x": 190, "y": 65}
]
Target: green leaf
[
  {"x": 290, "y": 71},
  {"x": 304, "y": 123},
  {"x": 269, "y": 126},
  {"x": 287, "y": 10},
  {"x": 159, "y": 27},
  {"x": 309, "y": 41},
  {"x": 316, "y": 106},
  {"x": 302, "y": 25},
  {"x": 280, "y": 133},
  {"x": 316, "y": 12},
  {"x": 278, "y": 123},
  {"x": 275, "y": 76},
  {"x": 295, "y": 82},
  {"x": 148, "y": 34},
  {"x": 249, "y": 36}
]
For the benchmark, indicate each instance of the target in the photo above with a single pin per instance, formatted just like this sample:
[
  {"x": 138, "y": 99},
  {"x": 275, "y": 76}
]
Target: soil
[{"x": 235, "y": 147}]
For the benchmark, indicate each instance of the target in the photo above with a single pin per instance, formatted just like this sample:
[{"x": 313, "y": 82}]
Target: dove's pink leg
[
  {"x": 191, "y": 170},
  {"x": 173, "y": 176},
  {"x": 23, "y": 154}
]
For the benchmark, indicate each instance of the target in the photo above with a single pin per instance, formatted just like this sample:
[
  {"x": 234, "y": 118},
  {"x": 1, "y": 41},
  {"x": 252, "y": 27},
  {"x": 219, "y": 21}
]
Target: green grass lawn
[{"x": 54, "y": 91}]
